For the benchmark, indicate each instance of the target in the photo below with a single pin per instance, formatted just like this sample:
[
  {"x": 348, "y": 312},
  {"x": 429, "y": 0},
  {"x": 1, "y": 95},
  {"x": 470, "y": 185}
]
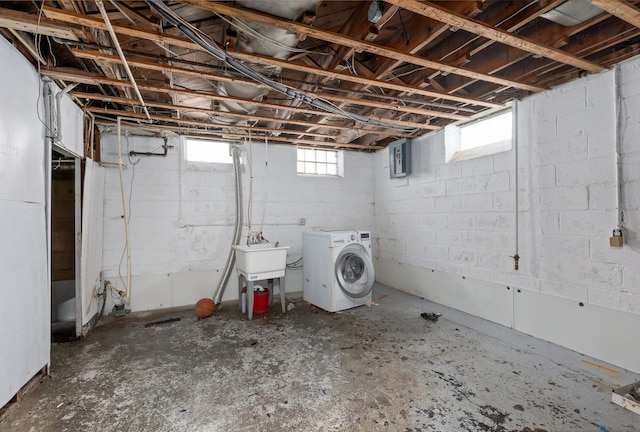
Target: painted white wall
[
  {"x": 182, "y": 221},
  {"x": 25, "y": 304},
  {"x": 447, "y": 232}
]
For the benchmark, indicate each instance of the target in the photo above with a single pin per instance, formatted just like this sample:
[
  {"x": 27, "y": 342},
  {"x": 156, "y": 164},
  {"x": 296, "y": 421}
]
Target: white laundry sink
[{"x": 261, "y": 261}]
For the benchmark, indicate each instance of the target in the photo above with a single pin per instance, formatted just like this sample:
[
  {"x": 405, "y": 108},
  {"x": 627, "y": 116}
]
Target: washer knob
[{"x": 353, "y": 237}]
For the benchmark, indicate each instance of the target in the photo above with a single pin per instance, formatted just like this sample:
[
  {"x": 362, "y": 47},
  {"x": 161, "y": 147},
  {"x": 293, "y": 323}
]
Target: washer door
[{"x": 354, "y": 271}]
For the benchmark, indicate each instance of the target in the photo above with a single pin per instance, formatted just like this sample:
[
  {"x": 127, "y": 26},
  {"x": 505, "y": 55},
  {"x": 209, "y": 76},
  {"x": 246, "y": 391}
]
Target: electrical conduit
[{"x": 231, "y": 259}]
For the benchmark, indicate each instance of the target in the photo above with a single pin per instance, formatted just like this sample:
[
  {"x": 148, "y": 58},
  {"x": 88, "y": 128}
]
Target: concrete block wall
[
  {"x": 182, "y": 220},
  {"x": 459, "y": 218}
]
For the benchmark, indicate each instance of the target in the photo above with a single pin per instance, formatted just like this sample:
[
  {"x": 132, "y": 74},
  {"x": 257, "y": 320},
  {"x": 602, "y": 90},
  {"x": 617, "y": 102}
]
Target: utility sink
[{"x": 261, "y": 261}]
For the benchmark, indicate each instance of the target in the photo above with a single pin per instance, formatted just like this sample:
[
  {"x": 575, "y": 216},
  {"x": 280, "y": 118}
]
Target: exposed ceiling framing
[{"x": 333, "y": 78}]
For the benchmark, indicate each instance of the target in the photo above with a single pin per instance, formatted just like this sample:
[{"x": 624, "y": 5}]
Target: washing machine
[{"x": 338, "y": 269}]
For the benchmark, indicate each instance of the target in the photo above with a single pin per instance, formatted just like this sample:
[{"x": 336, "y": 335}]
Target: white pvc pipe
[{"x": 114, "y": 38}]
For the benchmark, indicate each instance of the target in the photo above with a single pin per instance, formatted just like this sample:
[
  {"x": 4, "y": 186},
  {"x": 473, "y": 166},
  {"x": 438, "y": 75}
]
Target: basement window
[
  {"x": 327, "y": 163},
  {"x": 490, "y": 134},
  {"x": 207, "y": 152}
]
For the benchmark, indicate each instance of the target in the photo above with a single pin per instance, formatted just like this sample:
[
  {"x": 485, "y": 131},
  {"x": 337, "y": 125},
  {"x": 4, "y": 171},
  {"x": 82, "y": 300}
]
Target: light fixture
[{"x": 375, "y": 11}]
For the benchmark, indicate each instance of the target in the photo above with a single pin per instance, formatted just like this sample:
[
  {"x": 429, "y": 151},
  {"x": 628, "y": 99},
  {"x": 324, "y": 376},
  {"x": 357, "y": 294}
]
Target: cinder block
[
  {"x": 631, "y": 279},
  {"x": 461, "y": 221},
  {"x": 463, "y": 256},
  {"x": 570, "y": 97},
  {"x": 476, "y": 203},
  {"x": 432, "y": 189},
  {"x": 600, "y": 89},
  {"x": 615, "y": 299},
  {"x": 449, "y": 237},
  {"x": 602, "y": 196},
  {"x": 447, "y": 204},
  {"x": 504, "y": 201},
  {"x": 437, "y": 252},
  {"x": 505, "y": 161},
  {"x": 415, "y": 249},
  {"x": 547, "y": 130},
  {"x": 545, "y": 176},
  {"x": 492, "y": 260},
  {"x": 480, "y": 240},
  {"x": 477, "y": 166},
  {"x": 567, "y": 290},
  {"x": 460, "y": 186},
  {"x": 436, "y": 220},
  {"x": 497, "y": 221},
  {"x": 631, "y": 195},
  {"x": 587, "y": 223},
  {"x": 560, "y": 247},
  {"x": 554, "y": 152},
  {"x": 564, "y": 198},
  {"x": 601, "y": 141},
  {"x": 586, "y": 172},
  {"x": 492, "y": 182},
  {"x": 448, "y": 171}
]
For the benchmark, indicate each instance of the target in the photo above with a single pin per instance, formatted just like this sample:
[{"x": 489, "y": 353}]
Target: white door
[{"x": 91, "y": 249}]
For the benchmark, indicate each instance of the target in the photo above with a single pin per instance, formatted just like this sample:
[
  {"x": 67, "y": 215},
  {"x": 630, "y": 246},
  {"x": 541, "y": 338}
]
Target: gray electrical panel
[{"x": 400, "y": 158}]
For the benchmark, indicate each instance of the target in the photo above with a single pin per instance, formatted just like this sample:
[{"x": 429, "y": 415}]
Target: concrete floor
[{"x": 371, "y": 368}]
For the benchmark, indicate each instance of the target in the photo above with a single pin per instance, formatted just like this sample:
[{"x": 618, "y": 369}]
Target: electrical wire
[
  {"x": 210, "y": 46},
  {"x": 124, "y": 249},
  {"x": 241, "y": 25}
]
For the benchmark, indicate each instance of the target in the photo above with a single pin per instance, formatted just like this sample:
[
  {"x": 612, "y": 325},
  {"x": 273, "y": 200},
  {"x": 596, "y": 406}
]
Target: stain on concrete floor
[{"x": 370, "y": 368}]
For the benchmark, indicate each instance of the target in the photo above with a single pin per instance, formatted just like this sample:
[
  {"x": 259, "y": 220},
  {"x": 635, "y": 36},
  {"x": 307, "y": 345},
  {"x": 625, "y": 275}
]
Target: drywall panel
[
  {"x": 25, "y": 291},
  {"x": 25, "y": 306},
  {"x": 22, "y": 155},
  {"x": 486, "y": 300},
  {"x": 597, "y": 331},
  {"x": 91, "y": 256}
]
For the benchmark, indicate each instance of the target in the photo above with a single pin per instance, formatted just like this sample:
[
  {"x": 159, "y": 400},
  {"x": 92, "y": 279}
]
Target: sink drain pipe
[{"x": 231, "y": 259}]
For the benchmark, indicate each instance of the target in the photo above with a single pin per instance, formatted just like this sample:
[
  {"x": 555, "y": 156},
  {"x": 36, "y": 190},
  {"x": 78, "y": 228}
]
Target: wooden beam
[
  {"x": 99, "y": 56},
  {"x": 218, "y": 113},
  {"x": 622, "y": 10},
  {"x": 198, "y": 123},
  {"x": 478, "y": 27},
  {"x": 73, "y": 18},
  {"x": 331, "y": 37},
  {"x": 223, "y": 130},
  {"x": 72, "y": 75},
  {"x": 22, "y": 21},
  {"x": 28, "y": 46}
]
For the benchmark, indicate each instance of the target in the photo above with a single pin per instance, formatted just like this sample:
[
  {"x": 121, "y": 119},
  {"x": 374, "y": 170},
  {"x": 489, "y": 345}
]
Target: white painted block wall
[
  {"x": 451, "y": 227},
  {"x": 182, "y": 221}
]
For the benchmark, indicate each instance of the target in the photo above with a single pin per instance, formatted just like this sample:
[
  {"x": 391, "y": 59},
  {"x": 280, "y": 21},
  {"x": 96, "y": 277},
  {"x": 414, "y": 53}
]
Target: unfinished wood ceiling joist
[{"x": 333, "y": 78}]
